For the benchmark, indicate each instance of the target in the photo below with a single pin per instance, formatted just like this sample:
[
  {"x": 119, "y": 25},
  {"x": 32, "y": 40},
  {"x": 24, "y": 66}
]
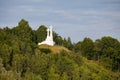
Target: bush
[{"x": 45, "y": 50}]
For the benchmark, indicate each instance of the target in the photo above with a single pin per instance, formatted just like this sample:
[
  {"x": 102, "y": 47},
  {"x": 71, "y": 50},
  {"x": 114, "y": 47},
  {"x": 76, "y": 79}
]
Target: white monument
[{"x": 49, "y": 38}]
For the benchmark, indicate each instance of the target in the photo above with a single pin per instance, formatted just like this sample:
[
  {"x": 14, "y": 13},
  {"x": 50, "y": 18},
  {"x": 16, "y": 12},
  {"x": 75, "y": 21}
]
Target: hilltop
[{"x": 54, "y": 49}]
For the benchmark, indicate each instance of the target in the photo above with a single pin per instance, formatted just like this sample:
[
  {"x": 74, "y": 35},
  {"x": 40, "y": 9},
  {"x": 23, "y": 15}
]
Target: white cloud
[{"x": 102, "y": 19}]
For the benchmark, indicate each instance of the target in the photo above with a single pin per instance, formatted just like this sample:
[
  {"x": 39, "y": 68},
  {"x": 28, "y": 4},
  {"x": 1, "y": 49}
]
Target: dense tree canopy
[
  {"x": 105, "y": 50},
  {"x": 22, "y": 59}
]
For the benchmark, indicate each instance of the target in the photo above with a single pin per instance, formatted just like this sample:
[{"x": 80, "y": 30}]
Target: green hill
[
  {"x": 61, "y": 66},
  {"x": 22, "y": 59},
  {"x": 54, "y": 49}
]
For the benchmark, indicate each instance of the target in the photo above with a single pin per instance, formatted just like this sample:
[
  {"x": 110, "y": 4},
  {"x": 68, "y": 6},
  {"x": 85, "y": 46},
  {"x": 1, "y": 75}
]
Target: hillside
[
  {"x": 54, "y": 49},
  {"x": 50, "y": 66},
  {"x": 22, "y": 59}
]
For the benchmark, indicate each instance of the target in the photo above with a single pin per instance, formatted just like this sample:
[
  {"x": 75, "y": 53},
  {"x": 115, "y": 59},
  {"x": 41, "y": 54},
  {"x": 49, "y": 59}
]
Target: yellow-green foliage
[
  {"x": 92, "y": 70},
  {"x": 50, "y": 66}
]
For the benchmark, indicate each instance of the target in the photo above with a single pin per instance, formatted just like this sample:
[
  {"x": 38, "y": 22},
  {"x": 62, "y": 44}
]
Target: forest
[{"x": 22, "y": 59}]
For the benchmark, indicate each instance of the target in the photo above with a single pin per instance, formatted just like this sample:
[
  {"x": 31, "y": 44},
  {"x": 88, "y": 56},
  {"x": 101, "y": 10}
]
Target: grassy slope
[{"x": 54, "y": 49}]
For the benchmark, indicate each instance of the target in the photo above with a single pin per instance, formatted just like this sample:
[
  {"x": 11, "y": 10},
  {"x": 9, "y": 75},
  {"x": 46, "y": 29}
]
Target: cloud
[{"x": 93, "y": 18}]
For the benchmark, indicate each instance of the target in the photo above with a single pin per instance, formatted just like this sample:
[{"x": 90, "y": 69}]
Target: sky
[{"x": 76, "y": 19}]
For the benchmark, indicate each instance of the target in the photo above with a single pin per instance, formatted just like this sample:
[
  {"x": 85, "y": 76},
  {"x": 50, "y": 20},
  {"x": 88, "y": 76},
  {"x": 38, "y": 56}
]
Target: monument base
[{"x": 51, "y": 43}]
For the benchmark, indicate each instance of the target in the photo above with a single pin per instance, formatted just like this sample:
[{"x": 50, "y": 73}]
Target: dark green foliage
[
  {"x": 23, "y": 30},
  {"x": 62, "y": 42},
  {"x": 41, "y": 33},
  {"x": 22, "y": 59},
  {"x": 44, "y": 50},
  {"x": 109, "y": 52},
  {"x": 87, "y": 48},
  {"x": 77, "y": 47},
  {"x": 105, "y": 50},
  {"x": 58, "y": 39}
]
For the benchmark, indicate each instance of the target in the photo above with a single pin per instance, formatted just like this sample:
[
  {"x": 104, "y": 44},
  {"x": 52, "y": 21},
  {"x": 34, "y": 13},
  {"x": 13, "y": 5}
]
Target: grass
[{"x": 54, "y": 49}]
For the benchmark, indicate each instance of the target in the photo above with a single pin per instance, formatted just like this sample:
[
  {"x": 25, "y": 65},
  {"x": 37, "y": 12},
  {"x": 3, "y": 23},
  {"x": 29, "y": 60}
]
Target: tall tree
[
  {"x": 77, "y": 46},
  {"x": 23, "y": 30},
  {"x": 69, "y": 43},
  {"x": 87, "y": 48},
  {"x": 41, "y": 33},
  {"x": 108, "y": 49}
]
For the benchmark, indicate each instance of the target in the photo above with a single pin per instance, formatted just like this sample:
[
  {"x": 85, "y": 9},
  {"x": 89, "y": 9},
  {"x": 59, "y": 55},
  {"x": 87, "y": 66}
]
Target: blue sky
[{"x": 70, "y": 18}]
